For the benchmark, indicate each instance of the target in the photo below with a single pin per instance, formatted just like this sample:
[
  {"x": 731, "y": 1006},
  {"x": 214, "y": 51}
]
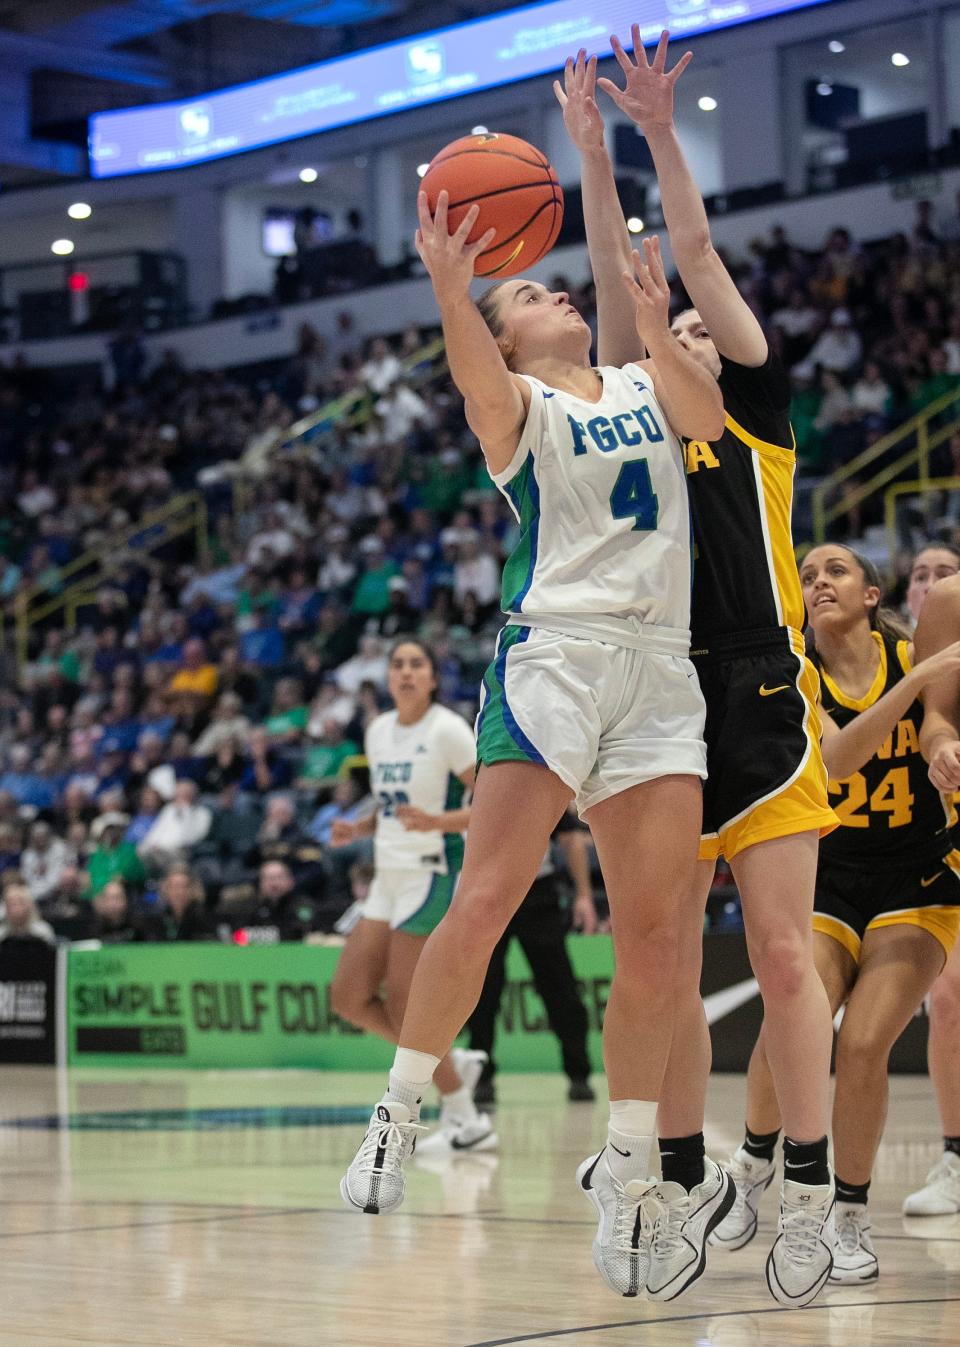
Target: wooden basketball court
[{"x": 202, "y": 1209}]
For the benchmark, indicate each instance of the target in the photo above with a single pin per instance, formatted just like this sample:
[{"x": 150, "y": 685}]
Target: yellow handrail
[
  {"x": 927, "y": 440},
  {"x": 355, "y": 407},
  {"x": 923, "y": 487},
  {"x": 184, "y": 513}
]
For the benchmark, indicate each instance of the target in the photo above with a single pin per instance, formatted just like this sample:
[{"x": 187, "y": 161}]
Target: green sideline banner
[
  {"x": 261, "y": 1007},
  {"x": 220, "y": 1006}
]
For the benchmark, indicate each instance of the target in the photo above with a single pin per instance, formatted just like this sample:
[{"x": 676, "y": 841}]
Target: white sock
[
  {"x": 411, "y": 1074},
  {"x": 458, "y": 1105},
  {"x": 630, "y": 1138}
]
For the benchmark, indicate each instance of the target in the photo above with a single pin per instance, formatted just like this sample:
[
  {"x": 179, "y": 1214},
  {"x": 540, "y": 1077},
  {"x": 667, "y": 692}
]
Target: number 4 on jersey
[{"x": 633, "y": 496}]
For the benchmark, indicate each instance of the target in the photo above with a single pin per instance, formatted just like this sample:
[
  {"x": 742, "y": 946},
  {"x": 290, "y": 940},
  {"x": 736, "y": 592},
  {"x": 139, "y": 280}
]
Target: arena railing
[
  {"x": 921, "y": 489},
  {"x": 183, "y": 514},
  {"x": 908, "y": 445},
  {"x": 353, "y": 409}
]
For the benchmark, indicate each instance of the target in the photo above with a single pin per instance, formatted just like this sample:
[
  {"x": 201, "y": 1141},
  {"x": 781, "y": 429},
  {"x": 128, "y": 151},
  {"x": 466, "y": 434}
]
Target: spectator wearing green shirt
[
  {"x": 324, "y": 760},
  {"x": 289, "y": 714},
  {"x": 371, "y": 595},
  {"x": 114, "y": 858}
]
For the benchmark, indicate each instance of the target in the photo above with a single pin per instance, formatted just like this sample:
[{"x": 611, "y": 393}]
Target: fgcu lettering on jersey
[{"x": 608, "y": 477}]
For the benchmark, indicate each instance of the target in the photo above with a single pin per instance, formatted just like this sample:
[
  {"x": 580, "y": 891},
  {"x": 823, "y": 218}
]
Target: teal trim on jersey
[
  {"x": 430, "y": 912},
  {"x": 523, "y": 491},
  {"x": 453, "y": 842},
  {"x": 499, "y": 737}
]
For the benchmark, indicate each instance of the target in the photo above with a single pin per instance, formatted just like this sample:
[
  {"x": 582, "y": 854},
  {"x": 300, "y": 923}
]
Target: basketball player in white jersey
[
  {"x": 590, "y": 695},
  {"x": 421, "y": 759}
]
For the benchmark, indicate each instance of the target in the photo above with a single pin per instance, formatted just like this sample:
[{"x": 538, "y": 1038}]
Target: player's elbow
[
  {"x": 705, "y": 423},
  {"x": 693, "y": 247}
]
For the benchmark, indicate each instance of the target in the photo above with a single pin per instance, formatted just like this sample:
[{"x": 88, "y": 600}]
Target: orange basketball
[{"x": 517, "y": 192}]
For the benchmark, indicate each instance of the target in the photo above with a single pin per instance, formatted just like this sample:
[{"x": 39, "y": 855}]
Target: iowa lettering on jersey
[
  {"x": 907, "y": 741},
  {"x": 700, "y": 454}
]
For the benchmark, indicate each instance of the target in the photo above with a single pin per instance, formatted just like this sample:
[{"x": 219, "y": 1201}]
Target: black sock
[
  {"x": 852, "y": 1192},
  {"x": 681, "y": 1160},
  {"x": 806, "y": 1162},
  {"x": 761, "y": 1145},
  {"x": 952, "y": 1144}
]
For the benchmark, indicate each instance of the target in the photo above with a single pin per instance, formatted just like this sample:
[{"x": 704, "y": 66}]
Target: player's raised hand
[
  {"x": 577, "y": 98},
  {"x": 651, "y": 293},
  {"x": 647, "y": 97},
  {"x": 448, "y": 257}
]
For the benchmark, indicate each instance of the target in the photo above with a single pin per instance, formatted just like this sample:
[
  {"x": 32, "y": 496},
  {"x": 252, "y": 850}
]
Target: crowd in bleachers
[{"x": 172, "y": 768}]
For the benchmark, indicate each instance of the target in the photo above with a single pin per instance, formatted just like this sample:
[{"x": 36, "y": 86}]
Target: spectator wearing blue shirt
[
  {"x": 266, "y": 768},
  {"x": 264, "y": 645},
  {"x": 26, "y": 787}
]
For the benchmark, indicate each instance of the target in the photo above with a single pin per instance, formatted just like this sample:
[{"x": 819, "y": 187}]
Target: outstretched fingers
[{"x": 680, "y": 67}]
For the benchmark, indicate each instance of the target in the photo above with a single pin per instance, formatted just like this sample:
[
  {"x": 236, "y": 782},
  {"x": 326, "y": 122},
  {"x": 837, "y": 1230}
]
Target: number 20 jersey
[
  {"x": 599, "y": 491},
  {"x": 889, "y": 812},
  {"x": 420, "y": 765}
]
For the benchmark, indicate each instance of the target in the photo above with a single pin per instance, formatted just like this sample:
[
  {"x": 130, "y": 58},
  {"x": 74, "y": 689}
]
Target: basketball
[{"x": 516, "y": 189}]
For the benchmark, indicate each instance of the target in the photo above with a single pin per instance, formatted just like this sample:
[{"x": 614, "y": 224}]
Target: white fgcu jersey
[
  {"x": 420, "y": 765},
  {"x": 607, "y": 480}
]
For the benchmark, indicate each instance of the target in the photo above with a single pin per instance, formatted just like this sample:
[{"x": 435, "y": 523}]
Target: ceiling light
[
  {"x": 80, "y": 211},
  {"x": 308, "y": 175},
  {"x": 824, "y": 89},
  {"x": 898, "y": 58},
  {"x": 421, "y": 169},
  {"x": 706, "y": 103},
  {"x": 635, "y": 224},
  {"x": 836, "y": 46},
  {"x": 478, "y": 131},
  {"x": 62, "y": 247}
]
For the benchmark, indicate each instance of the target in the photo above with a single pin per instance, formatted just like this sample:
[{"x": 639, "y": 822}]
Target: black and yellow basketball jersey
[
  {"x": 741, "y": 497},
  {"x": 888, "y": 811}
]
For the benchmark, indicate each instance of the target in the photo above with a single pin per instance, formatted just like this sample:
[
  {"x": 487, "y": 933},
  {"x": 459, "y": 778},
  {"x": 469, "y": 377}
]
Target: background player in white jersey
[
  {"x": 421, "y": 758},
  {"x": 590, "y": 694}
]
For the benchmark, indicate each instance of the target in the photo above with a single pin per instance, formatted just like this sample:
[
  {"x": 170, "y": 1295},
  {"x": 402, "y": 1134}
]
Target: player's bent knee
[
  {"x": 781, "y": 963},
  {"x": 862, "y": 1049},
  {"x": 648, "y": 954},
  {"x": 345, "y": 1003},
  {"x": 482, "y": 913},
  {"x": 945, "y": 1004}
]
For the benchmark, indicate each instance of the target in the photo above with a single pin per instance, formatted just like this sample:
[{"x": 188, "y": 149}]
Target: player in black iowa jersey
[
  {"x": 765, "y": 798},
  {"x": 887, "y": 906}
]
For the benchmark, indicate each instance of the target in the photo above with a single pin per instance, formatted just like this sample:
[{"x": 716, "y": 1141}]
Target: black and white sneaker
[
  {"x": 621, "y": 1247},
  {"x": 801, "y": 1259},
  {"x": 752, "y": 1177},
  {"x": 374, "y": 1183},
  {"x": 683, "y": 1221}
]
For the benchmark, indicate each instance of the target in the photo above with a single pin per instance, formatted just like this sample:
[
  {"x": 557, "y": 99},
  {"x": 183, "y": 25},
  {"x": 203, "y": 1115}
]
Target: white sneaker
[
  {"x": 621, "y": 1248},
  {"x": 456, "y": 1136},
  {"x": 374, "y": 1182},
  {"x": 800, "y": 1261},
  {"x": 854, "y": 1257},
  {"x": 469, "y": 1063},
  {"x": 940, "y": 1195},
  {"x": 678, "y": 1249},
  {"x": 753, "y": 1177}
]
